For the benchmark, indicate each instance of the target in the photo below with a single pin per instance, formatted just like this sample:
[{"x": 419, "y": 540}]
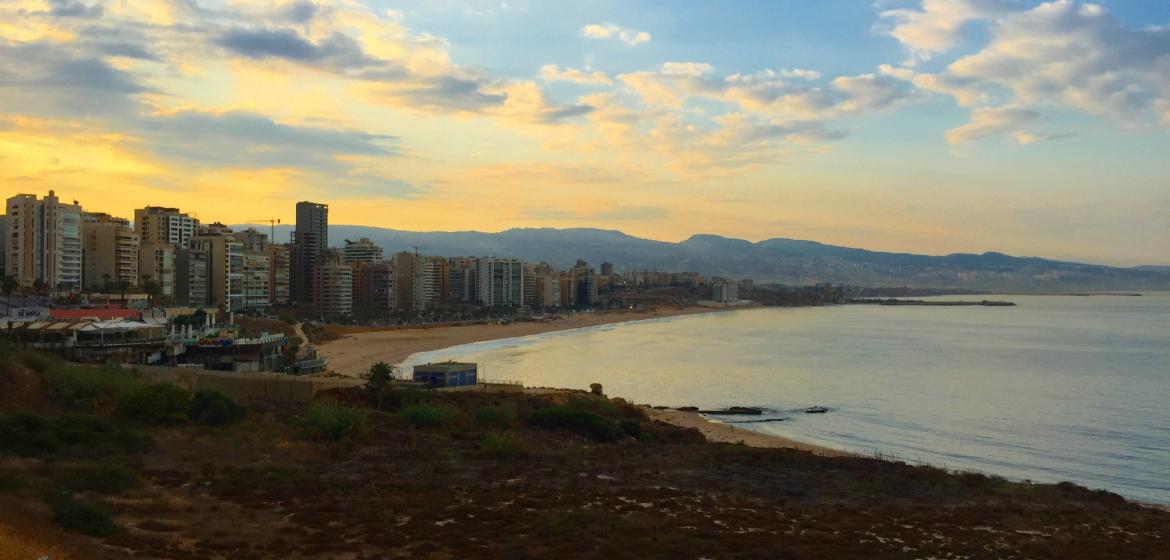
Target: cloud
[
  {"x": 992, "y": 121},
  {"x": 630, "y": 37},
  {"x": 938, "y": 26},
  {"x": 249, "y": 139},
  {"x": 551, "y": 73},
  {"x": 74, "y": 8},
  {"x": 337, "y": 50},
  {"x": 448, "y": 93}
]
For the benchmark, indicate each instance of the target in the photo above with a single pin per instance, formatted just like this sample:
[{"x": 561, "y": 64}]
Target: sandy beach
[
  {"x": 355, "y": 352},
  {"x": 729, "y": 433}
]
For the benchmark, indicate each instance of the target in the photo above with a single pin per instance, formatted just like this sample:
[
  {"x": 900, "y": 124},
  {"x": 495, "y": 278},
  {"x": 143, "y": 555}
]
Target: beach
[
  {"x": 720, "y": 432},
  {"x": 357, "y": 350}
]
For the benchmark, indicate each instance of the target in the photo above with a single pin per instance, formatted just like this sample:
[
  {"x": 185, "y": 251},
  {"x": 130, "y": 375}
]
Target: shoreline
[
  {"x": 355, "y": 352},
  {"x": 719, "y": 432}
]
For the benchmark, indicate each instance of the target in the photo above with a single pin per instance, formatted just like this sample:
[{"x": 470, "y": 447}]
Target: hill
[{"x": 787, "y": 261}]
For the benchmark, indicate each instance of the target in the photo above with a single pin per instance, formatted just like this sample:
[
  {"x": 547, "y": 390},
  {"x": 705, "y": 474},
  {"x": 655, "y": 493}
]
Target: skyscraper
[
  {"x": 158, "y": 225},
  {"x": 110, "y": 249},
  {"x": 44, "y": 242},
  {"x": 310, "y": 238}
]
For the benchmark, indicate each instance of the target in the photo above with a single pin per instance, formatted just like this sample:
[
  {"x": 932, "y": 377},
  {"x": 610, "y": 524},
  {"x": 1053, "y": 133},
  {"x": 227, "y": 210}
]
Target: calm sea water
[{"x": 1057, "y": 388}]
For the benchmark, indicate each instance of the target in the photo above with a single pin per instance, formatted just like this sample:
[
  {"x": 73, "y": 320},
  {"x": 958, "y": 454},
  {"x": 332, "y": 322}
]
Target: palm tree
[
  {"x": 8, "y": 285},
  {"x": 378, "y": 379},
  {"x": 107, "y": 287},
  {"x": 151, "y": 288},
  {"x": 122, "y": 286}
]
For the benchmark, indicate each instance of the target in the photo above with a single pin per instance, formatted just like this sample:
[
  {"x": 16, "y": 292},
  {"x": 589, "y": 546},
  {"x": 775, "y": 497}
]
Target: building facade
[
  {"x": 43, "y": 242},
  {"x": 333, "y": 282},
  {"x": 362, "y": 250},
  {"x": 157, "y": 224},
  {"x": 157, "y": 262},
  {"x": 500, "y": 282},
  {"x": 278, "y": 271},
  {"x": 109, "y": 250},
  {"x": 310, "y": 239}
]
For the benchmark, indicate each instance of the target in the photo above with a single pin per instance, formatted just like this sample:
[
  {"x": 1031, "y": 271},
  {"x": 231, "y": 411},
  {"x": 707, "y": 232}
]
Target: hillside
[
  {"x": 101, "y": 464},
  {"x": 787, "y": 261}
]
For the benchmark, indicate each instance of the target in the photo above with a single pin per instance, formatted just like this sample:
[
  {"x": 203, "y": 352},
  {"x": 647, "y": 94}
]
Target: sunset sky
[{"x": 930, "y": 126}]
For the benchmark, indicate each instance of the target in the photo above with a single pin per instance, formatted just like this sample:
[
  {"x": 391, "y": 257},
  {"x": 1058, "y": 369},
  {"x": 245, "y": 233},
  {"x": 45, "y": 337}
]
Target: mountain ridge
[{"x": 782, "y": 260}]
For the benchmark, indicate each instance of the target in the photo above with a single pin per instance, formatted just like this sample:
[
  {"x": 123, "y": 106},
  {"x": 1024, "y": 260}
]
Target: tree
[
  {"x": 378, "y": 379},
  {"x": 9, "y": 284},
  {"x": 122, "y": 286},
  {"x": 107, "y": 286},
  {"x": 152, "y": 289}
]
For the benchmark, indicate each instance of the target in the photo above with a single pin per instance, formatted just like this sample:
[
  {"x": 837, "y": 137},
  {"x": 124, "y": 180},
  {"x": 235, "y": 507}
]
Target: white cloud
[
  {"x": 552, "y": 73},
  {"x": 991, "y": 121},
  {"x": 607, "y": 30},
  {"x": 938, "y": 26}
]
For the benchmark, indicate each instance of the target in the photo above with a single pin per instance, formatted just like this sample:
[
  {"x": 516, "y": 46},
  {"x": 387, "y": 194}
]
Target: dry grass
[{"x": 26, "y": 545}]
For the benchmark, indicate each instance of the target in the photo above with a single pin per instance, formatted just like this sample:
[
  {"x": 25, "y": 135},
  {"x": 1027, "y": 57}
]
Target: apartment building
[
  {"x": 159, "y": 225},
  {"x": 500, "y": 282},
  {"x": 109, "y": 250},
  {"x": 43, "y": 242}
]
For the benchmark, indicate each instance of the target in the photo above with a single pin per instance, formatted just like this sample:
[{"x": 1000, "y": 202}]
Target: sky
[{"x": 928, "y": 126}]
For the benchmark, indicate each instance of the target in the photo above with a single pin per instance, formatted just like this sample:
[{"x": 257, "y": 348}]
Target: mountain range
[{"x": 786, "y": 261}]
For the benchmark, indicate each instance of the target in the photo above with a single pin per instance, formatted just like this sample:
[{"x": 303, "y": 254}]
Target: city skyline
[{"x": 929, "y": 127}]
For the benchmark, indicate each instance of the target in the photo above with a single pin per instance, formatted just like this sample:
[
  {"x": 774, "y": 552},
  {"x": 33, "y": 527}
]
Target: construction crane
[{"x": 271, "y": 227}]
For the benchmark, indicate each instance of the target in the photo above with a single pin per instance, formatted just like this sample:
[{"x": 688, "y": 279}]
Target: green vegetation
[
  {"x": 102, "y": 478},
  {"x": 155, "y": 405},
  {"x": 86, "y": 389},
  {"x": 31, "y": 435},
  {"x": 502, "y": 446},
  {"x": 573, "y": 419},
  {"x": 212, "y": 408},
  {"x": 632, "y": 428},
  {"x": 427, "y": 416},
  {"x": 499, "y": 417},
  {"x": 11, "y": 482},
  {"x": 334, "y": 421},
  {"x": 77, "y": 516}
]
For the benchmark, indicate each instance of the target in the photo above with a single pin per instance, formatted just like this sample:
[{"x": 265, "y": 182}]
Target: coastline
[
  {"x": 719, "y": 432},
  {"x": 355, "y": 352}
]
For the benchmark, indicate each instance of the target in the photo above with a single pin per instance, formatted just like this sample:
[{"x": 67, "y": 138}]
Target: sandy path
[
  {"x": 728, "y": 433},
  {"x": 353, "y": 354}
]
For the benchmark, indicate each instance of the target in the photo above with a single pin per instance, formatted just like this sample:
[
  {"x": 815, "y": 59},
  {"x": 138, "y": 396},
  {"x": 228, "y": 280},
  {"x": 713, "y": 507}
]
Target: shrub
[
  {"x": 31, "y": 435},
  {"x": 584, "y": 422},
  {"x": 86, "y": 388},
  {"x": 158, "y": 405},
  {"x": 500, "y": 417},
  {"x": 427, "y": 416},
  {"x": 212, "y": 408},
  {"x": 632, "y": 428},
  {"x": 502, "y": 446},
  {"x": 27, "y": 435},
  {"x": 10, "y": 482},
  {"x": 77, "y": 516},
  {"x": 335, "y": 421},
  {"x": 97, "y": 477}
]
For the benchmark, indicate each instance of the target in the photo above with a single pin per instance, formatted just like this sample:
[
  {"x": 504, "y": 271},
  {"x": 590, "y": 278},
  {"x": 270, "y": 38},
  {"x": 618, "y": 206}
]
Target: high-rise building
[
  {"x": 253, "y": 241},
  {"x": 192, "y": 275},
  {"x": 439, "y": 270},
  {"x": 157, "y": 262},
  {"x": 529, "y": 285},
  {"x": 547, "y": 290},
  {"x": 500, "y": 282},
  {"x": 3, "y": 244},
  {"x": 310, "y": 239},
  {"x": 461, "y": 280},
  {"x": 109, "y": 250},
  {"x": 586, "y": 289},
  {"x": 607, "y": 269},
  {"x": 254, "y": 289},
  {"x": 374, "y": 293},
  {"x": 44, "y": 242},
  {"x": 225, "y": 266},
  {"x": 362, "y": 250},
  {"x": 156, "y": 224},
  {"x": 333, "y": 282},
  {"x": 278, "y": 269},
  {"x": 414, "y": 280}
]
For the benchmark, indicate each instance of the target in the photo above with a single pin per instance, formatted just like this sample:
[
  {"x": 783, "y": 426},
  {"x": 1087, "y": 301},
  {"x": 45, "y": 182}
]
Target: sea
[{"x": 1056, "y": 388}]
